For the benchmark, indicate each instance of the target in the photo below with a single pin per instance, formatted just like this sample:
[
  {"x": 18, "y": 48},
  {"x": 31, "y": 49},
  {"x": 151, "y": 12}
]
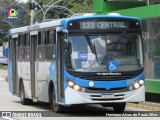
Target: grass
[{"x": 3, "y": 67}]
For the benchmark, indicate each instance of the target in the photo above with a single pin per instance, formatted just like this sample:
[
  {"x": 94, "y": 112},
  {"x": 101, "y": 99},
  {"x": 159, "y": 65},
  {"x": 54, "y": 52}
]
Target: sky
[
  {"x": 25, "y": 0},
  {"x": 22, "y": 0}
]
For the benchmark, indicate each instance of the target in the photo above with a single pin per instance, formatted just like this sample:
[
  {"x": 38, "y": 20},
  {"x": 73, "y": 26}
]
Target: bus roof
[{"x": 62, "y": 23}]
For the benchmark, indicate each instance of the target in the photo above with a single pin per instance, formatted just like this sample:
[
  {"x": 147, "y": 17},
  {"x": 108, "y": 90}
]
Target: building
[{"x": 149, "y": 12}]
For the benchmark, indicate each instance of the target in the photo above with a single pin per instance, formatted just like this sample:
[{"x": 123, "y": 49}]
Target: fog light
[
  {"x": 83, "y": 89},
  {"x": 76, "y": 87},
  {"x": 130, "y": 87},
  {"x": 141, "y": 82},
  {"x": 136, "y": 85},
  {"x": 70, "y": 83}
]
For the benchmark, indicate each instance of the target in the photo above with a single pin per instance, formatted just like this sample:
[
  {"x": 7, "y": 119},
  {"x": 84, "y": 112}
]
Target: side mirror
[
  {"x": 68, "y": 45},
  {"x": 69, "y": 48}
]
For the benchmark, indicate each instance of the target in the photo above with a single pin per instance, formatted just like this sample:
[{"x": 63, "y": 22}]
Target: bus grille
[
  {"x": 103, "y": 90},
  {"x": 98, "y": 97}
]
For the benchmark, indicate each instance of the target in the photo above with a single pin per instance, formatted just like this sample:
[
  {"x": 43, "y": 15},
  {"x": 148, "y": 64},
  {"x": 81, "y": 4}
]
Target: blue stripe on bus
[
  {"x": 102, "y": 84},
  {"x": 52, "y": 72}
]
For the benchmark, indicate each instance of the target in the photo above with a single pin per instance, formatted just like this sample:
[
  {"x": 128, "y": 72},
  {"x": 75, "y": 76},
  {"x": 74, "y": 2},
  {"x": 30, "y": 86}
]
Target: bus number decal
[{"x": 85, "y": 64}]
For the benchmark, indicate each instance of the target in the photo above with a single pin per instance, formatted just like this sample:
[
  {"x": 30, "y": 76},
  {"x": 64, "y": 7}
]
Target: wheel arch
[
  {"x": 20, "y": 81},
  {"x": 51, "y": 86}
]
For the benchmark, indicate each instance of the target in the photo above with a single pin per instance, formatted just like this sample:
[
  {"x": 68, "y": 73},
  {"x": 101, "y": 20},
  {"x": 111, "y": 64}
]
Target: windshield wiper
[
  {"x": 92, "y": 46},
  {"x": 119, "y": 39},
  {"x": 95, "y": 52},
  {"x": 105, "y": 59}
]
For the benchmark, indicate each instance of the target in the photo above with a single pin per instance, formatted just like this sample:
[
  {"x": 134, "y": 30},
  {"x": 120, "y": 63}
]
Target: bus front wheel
[
  {"x": 55, "y": 106},
  {"x": 119, "y": 107}
]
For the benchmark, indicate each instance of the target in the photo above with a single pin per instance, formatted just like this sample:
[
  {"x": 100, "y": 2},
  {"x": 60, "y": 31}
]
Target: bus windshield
[{"x": 105, "y": 52}]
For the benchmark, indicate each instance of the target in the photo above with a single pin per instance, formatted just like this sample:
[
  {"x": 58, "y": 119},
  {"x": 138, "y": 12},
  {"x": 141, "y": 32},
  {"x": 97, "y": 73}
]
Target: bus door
[
  {"x": 60, "y": 66},
  {"x": 33, "y": 63},
  {"x": 14, "y": 45}
]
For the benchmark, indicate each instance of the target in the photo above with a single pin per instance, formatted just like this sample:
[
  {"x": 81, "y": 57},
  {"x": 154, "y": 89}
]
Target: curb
[
  {"x": 151, "y": 104},
  {"x": 145, "y": 105}
]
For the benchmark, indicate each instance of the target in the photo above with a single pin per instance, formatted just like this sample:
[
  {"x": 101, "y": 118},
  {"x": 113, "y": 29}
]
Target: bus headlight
[
  {"x": 74, "y": 85},
  {"x": 136, "y": 85},
  {"x": 77, "y": 87},
  {"x": 71, "y": 84},
  {"x": 141, "y": 82}
]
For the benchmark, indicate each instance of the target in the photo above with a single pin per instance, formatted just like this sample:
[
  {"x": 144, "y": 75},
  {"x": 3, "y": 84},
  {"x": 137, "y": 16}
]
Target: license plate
[{"x": 107, "y": 96}]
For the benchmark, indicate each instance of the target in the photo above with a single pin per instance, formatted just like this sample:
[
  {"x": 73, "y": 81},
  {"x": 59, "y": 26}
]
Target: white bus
[{"x": 82, "y": 60}]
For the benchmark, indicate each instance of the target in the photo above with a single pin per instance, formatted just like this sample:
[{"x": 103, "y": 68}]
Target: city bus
[{"x": 87, "y": 59}]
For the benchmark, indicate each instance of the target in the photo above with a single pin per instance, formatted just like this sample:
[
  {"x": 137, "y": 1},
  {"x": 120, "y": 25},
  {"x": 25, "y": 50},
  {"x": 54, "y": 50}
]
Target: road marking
[
  {"x": 7, "y": 118},
  {"x": 143, "y": 106}
]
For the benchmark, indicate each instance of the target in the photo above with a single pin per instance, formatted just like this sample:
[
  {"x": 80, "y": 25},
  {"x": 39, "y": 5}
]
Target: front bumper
[{"x": 77, "y": 97}]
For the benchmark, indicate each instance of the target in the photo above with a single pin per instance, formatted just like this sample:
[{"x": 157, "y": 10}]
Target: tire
[
  {"x": 53, "y": 105},
  {"x": 119, "y": 107},
  {"x": 24, "y": 100}
]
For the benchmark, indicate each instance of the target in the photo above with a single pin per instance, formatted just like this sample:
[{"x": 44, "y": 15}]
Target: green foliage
[
  {"x": 1, "y": 42},
  {"x": 80, "y": 6},
  {"x": 4, "y": 27},
  {"x": 77, "y": 6},
  {"x": 3, "y": 67},
  {"x": 3, "y": 38}
]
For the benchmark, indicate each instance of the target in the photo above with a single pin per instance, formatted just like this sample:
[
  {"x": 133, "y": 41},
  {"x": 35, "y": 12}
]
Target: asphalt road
[{"x": 8, "y": 102}]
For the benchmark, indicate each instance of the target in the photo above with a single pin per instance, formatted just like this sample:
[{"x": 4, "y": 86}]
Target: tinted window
[
  {"x": 42, "y": 45},
  {"x": 51, "y": 45}
]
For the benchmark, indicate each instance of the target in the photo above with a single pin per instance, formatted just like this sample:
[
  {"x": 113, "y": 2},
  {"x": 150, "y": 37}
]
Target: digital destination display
[{"x": 104, "y": 25}]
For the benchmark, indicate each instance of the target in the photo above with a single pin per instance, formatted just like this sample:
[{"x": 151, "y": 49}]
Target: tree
[
  {"x": 80, "y": 6},
  {"x": 4, "y": 26},
  {"x": 77, "y": 6}
]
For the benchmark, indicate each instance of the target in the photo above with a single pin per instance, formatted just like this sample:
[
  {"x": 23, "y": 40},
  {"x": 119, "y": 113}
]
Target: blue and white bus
[{"x": 96, "y": 59}]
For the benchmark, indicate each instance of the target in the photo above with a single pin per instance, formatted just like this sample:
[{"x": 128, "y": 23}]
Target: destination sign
[{"x": 104, "y": 25}]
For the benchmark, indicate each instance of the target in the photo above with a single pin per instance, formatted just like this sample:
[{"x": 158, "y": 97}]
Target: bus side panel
[
  {"x": 43, "y": 78},
  {"x": 26, "y": 79}
]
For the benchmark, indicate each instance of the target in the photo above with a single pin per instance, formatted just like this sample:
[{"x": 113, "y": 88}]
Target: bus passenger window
[
  {"x": 52, "y": 37},
  {"x": 42, "y": 45},
  {"x": 26, "y": 47},
  {"x": 43, "y": 38},
  {"x": 51, "y": 45},
  {"x": 21, "y": 42},
  {"x": 39, "y": 38}
]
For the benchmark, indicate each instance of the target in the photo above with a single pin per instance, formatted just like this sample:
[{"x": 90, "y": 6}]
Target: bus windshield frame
[{"x": 118, "y": 37}]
